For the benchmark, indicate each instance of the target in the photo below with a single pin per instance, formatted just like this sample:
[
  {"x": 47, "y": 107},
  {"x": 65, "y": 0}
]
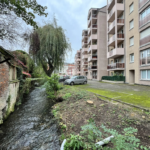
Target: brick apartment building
[{"x": 117, "y": 41}]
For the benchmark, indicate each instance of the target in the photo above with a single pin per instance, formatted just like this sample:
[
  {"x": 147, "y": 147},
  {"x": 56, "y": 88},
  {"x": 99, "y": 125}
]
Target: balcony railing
[
  {"x": 111, "y": 25},
  {"x": 85, "y": 70},
  {"x": 120, "y": 35},
  {"x": 85, "y": 63},
  {"x": 94, "y": 67},
  {"x": 145, "y": 40},
  {"x": 94, "y": 25},
  {"x": 142, "y": 3},
  {"x": 144, "y": 20},
  {"x": 94, "y": 15},
  {"x": 116, "y": 66},
  {"x": 120, "y": 20},
  {"x": 145, "y": 61},
  {"x": 110, "y": 40}
]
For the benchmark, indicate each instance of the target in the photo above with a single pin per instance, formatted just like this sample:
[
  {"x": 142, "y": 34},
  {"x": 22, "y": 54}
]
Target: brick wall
[{"x": 4, "y": 78}]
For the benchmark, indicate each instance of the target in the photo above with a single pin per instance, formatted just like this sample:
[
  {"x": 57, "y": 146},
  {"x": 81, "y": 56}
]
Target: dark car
[{"x": 63, "y": 78}]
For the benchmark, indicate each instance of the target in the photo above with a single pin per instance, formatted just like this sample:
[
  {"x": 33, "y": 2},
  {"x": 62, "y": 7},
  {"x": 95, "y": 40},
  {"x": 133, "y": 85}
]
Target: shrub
[{"x": 53, "y": 86}]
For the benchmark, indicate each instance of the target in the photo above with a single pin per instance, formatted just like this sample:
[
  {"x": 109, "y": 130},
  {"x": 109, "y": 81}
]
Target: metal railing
[
  {"x": 120, "y": 20},
  {"x": 120, "y": 35},
  {"x": 116, "y": 66},
  {"x": 94, "y": 25},
  {"x": 114, "y": 78}
]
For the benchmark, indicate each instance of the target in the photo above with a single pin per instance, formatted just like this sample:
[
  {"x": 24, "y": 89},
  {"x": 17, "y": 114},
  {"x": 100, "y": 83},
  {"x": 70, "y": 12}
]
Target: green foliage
[
  {"x": 53, "y": 86},
  {"x": 67, "y": 96},
  {"x": 125, "y": 141},
  {"x": 52, "y": 48},
  {"x": 91, "y": 134},
  {"x": 24, "y": 9},
  {"x": 75, "y": 142}
]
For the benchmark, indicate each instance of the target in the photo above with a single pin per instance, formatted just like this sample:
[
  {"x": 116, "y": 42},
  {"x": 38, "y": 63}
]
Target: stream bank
[{"x": 32, "y": 126}]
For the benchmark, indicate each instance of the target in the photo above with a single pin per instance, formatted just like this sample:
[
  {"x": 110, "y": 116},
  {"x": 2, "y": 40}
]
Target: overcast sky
[{"x": 72, "y": 16}]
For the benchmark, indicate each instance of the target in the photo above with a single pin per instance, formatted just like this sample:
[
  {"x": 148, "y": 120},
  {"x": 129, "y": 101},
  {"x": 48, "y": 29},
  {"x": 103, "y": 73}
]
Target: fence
[{"x": 114, "y": 78}]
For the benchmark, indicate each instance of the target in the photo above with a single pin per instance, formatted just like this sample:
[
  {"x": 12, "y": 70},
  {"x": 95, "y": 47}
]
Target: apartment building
[
  {"x": 97, "y": 62},
  {"x": 128, "y": 35},
  {"x": 116, "y": 37},
  {"x": 84, "y": 53},
  {"x": 78, "y": 70}
]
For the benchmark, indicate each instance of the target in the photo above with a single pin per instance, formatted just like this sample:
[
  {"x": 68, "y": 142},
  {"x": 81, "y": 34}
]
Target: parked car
[
  {"x": 76, "y": 80},
  {"x": 63, "y": 78}
]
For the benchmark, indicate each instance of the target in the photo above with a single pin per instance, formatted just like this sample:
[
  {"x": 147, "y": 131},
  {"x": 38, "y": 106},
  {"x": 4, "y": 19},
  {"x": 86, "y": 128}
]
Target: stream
[{"x": 32, "y": 126}]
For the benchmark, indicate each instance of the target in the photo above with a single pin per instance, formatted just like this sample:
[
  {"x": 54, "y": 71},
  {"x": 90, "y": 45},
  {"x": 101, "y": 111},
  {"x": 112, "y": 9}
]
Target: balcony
[
  {"x": 92, "y": 47},
  {"x": 93, "y": 57},
  {"x": 84, "y": 43},
  {"x": 145, "y": 40},
  {"x": 78, "y": 59},
  {"x": 85, "y": 63},
  {"x": 142, "y": 3},
  {"x": 89, "y": 40},
  {"x": 144, "y": 20},
  {"x": 85, "y": 70},
  {"x": 89, "y": 21},
  {"x": 93, "y": 67},
  {"x": 116, "y": 66},
  {"x": 94, "y": 26},
  {"x": 84, "y": 56},
  {"x": 111, "y": 40},
  {"x": 118, "y": 7},
  {"x": 84, "y": 37},
  {"x": 112, "y": 27},
  {"x": 84, "y": 50},
  {"x": 115, "y": 53}
]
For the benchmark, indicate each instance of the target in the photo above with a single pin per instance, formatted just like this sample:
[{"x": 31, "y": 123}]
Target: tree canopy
[
  {"x": 49, "y": 47},
  {"x": 10, "y": 10}
]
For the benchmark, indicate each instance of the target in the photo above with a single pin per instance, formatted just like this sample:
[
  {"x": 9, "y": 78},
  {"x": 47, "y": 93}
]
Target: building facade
[
  {"x": 117, "y": 42},
  {"x": 91, "y": 59}
]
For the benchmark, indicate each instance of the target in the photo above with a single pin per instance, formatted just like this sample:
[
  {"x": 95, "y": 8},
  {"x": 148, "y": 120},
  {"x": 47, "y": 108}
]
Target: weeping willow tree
[{"x": 49, "y": 46}]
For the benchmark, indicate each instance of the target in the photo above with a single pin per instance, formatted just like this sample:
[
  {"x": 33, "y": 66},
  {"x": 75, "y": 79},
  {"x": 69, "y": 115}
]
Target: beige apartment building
[
  {"x": 128, "y": 49},
  {"x": 117, "y": 42},
  {"x": 116, "y": 37},
  {"x": 97, "y": 43},
  {"x": 138, "y": 41}
]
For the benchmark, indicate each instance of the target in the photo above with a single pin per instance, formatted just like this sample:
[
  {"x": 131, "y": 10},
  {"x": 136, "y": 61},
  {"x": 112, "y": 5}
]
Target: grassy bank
[
  {"x": 75, "y": 112},
  {"x": 141, "y": 99}
]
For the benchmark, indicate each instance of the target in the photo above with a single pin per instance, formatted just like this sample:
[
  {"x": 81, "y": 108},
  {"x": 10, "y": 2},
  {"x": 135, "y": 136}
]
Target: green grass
[{"x": 137, "y": 98}]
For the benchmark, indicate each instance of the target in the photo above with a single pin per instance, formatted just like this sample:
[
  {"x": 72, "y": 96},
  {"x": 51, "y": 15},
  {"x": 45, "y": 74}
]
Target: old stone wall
[{"x": 9, "y": 87}]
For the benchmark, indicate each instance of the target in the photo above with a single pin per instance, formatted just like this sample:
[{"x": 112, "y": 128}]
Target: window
[
  {"x": 131, "y": 41},
  {"x": 131, "y": 24},
  {"x": 145, "y": 57},
  {"x": 145, "y": 74},
  {"x": 145, "y": 13},
  {"x": 131, "y": 8},
  {"x": 131, "y": 57},
  {"x": 145, "y": 33}
]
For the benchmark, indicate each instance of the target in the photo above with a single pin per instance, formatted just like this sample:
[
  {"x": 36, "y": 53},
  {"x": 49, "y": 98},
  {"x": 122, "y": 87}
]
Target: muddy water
[{"x": 31, "y": 127}]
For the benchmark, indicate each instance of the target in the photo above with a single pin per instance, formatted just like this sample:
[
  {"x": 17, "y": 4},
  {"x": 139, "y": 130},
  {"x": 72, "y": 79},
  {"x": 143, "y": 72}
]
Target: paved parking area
[{"x": 134, "y": 94}]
